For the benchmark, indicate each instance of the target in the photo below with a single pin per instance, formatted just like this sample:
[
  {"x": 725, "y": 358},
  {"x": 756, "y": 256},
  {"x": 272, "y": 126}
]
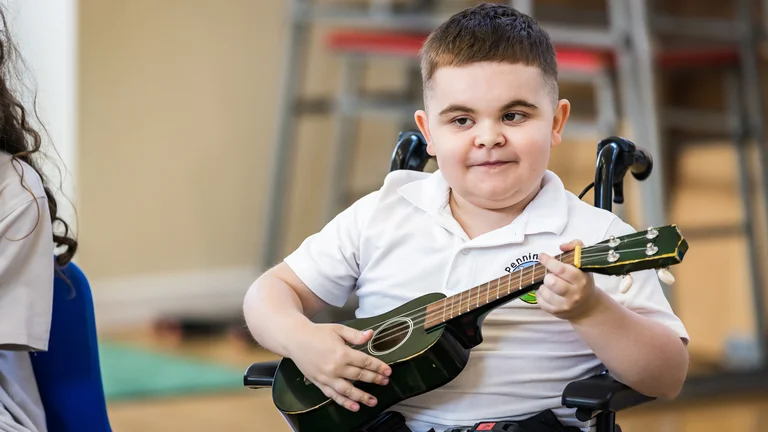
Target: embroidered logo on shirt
[{"x": 519, "y": 264}]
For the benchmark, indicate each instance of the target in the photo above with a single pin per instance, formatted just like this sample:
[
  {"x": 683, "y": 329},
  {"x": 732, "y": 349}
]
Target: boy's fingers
[
  {"x": 571, "y": 245},
  {"x": 548, "y": 300},
  {"x": 347, "y": 391},
  {"x": 353, "y": 373},
  {"x": 339, "y": 399},
  {"x": 552, "y": 265},
  {"x": 353, "y": 336},
  {"x": 365, "y": 361},
  {"x": 556, "y": 285},
  {"x": 562, "y": 270}
]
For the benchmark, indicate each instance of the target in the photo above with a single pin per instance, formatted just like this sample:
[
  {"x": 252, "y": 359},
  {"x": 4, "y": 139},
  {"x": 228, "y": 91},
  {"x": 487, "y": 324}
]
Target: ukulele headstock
[{"x": 654, "y": 248}]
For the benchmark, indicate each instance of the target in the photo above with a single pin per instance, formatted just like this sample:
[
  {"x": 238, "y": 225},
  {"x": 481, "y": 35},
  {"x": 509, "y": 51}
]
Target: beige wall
[
  {"x": 178, "y": 113},
  {"x": 176, "y": 117}
]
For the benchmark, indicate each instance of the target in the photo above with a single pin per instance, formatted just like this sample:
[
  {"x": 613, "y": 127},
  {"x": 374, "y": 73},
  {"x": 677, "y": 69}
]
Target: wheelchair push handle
[
  {"x": 616, "y": 156},
  {"x": 410, "y": 152}
]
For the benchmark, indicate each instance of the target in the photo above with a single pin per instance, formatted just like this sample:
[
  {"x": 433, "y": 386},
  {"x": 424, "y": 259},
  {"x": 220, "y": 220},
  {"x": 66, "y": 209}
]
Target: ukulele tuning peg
[
  {"x": 651, "y": 233},
  {"x": 666, "y": 276},
  {"x": 626, "y": 283},
  {"x": 651, "y": 249},
  {"x": 612, "y": 256}
]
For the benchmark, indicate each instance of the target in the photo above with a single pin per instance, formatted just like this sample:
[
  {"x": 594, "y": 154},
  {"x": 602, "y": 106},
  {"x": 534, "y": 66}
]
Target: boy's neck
[{"x": 477, "y": 221}]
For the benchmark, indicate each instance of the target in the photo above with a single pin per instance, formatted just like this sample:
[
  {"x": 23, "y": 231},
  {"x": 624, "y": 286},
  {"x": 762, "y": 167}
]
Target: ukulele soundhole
[{"x": 390, "y": 336}]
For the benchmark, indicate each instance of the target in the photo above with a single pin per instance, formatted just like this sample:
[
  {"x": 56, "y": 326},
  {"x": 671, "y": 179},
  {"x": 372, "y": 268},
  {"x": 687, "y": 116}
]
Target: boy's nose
[{"x": 489, "y": 136}]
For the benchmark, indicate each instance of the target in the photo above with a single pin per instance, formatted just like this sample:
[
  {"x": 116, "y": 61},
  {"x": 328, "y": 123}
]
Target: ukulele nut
[
  {"x": 651, "y": 249},
  {"x": 613, "y": 256},
  {"x": 613, "y": 242}
]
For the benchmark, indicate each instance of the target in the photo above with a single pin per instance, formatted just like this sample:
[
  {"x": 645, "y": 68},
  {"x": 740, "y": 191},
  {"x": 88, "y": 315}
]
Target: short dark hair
[{"x": 489, "y": 32}]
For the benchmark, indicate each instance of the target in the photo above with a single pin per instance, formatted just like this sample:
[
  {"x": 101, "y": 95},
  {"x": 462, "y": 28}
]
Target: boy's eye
[
  {"x": 461, "y": 121},
  {"x": 510, "y": 117}
]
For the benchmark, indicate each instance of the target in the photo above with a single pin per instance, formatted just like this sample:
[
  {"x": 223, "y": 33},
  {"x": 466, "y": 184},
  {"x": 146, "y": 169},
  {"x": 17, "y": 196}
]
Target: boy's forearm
[
  {"x": 273, "y": 313},
  {"x": 641, "y": 353}
]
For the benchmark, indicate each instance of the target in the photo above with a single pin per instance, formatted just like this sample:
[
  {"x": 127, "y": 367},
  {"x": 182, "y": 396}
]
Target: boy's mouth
[{"x": 493, "y": 163}]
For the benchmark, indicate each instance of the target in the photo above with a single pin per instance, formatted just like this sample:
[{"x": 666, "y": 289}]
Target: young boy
[{"x": 491, "y": 116}]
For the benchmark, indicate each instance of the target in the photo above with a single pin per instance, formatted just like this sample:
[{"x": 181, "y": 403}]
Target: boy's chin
[{"x": 495, "y": 199}]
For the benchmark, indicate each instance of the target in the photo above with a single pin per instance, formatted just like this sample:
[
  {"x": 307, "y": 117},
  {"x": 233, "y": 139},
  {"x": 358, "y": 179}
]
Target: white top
[
  {"x": 26, "y": 292},
  {"x": 401, "y": 242}
]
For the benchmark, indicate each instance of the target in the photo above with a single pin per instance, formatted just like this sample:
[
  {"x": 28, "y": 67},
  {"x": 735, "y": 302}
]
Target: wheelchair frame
[{"x": 599, "y": 397}]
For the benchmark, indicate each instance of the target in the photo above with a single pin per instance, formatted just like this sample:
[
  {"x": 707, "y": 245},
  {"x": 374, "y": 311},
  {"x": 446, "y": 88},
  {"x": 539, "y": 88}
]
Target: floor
[{"x": 251, "y": 410}]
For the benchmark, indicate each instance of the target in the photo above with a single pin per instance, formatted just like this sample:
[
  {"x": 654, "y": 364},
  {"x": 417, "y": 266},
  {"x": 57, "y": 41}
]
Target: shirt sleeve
[
  {"x": 26, "y": 275},
  {"x": 645, "y": 296},
  {"x": 328, "y": 262}
]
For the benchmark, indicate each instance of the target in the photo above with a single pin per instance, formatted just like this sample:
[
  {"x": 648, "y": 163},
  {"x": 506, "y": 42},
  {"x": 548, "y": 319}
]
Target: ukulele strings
[
  {"x": 420, "y": 316},
  {"x": 421, "y": 311},
  {"x": 583, "y": 256}
]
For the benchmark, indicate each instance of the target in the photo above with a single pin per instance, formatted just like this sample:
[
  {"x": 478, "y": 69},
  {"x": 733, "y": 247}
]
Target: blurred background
[{"x": 203, "y": 140}]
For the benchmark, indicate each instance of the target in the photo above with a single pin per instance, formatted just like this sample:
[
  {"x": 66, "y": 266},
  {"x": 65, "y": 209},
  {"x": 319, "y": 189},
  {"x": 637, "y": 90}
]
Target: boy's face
[{"x": 491, "y": 126}]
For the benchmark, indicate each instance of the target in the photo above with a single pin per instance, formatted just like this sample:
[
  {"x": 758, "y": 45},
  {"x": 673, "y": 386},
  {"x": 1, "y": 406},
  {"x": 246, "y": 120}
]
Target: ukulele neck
[{"x": 505, "y": 288}]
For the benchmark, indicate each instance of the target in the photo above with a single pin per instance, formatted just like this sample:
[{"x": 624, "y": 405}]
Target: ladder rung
[{"x": 707, "y": 232}]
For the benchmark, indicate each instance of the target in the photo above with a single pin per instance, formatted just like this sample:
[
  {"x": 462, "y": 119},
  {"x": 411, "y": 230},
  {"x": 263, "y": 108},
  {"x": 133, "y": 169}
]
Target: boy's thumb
[{"x": 354, "y": 336}]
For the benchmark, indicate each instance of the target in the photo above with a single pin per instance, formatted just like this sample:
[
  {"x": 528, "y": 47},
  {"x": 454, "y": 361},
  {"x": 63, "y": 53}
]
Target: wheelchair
[{"x": 596, "y": 399}]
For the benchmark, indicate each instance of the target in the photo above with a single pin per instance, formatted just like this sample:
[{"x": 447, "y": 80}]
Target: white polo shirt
[
  {"x": 26, "y": 292},
  {"x": 402, "y": 242}
]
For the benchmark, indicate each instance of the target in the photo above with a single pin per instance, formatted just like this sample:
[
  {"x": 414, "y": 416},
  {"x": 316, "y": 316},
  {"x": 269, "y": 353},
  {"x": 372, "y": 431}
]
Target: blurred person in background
[{"x": 28, "y": 241}]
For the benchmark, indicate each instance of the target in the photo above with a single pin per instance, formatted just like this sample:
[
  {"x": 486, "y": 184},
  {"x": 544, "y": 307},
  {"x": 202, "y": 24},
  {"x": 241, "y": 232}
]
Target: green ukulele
[{"x": 427, "y": 341}]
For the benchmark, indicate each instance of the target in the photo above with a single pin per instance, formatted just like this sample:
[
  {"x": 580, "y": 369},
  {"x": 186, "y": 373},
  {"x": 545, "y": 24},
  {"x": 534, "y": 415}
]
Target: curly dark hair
[{"x": 19, "y": 139}]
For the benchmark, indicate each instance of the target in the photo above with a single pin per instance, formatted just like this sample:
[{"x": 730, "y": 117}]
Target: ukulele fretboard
[{"x": 513, "y": 284}]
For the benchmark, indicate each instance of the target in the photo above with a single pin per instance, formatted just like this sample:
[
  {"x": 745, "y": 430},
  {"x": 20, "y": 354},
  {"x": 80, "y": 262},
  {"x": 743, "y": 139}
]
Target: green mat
[{"x": 130, "y": 372}]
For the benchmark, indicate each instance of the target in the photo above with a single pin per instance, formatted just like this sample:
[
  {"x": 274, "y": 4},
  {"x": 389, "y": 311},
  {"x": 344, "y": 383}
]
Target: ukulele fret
[
  {"x": 444, "y": 304},
  {"x": 533, "y": 273}
]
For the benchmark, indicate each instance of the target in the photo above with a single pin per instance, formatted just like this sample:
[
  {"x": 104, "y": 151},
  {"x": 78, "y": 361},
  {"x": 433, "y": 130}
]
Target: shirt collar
[
  {"x": 547, "y": 212},
  {"x": 429, "y": 194}
]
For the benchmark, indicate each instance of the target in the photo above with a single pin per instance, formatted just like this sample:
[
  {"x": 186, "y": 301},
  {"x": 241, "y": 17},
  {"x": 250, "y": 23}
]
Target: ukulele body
[{"x": 420, "y": 360}]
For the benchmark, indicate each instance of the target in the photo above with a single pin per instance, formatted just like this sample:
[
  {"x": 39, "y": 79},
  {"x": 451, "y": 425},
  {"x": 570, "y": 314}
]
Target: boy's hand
[
  {"x": 567, "y": 292},
  {"x": 321, "y": 353}
]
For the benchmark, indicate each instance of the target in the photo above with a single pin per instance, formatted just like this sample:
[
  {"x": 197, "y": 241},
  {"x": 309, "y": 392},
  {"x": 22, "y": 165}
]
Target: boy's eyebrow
[
  {"x": 454, "y": 108},
  {"x": 517, "y": 103}
]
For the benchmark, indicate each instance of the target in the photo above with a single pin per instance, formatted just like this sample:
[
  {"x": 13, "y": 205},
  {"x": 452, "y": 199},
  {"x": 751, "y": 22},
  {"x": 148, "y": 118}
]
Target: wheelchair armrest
[
  {"x": 260, "y": 375},
  {"x": 600, "y": 393}
]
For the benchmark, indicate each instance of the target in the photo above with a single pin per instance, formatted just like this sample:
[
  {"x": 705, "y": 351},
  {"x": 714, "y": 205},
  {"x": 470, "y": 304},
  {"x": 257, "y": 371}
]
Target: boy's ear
[
  {"x": 562, "y": 111},
  {"x": 421, "y": 121}
]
